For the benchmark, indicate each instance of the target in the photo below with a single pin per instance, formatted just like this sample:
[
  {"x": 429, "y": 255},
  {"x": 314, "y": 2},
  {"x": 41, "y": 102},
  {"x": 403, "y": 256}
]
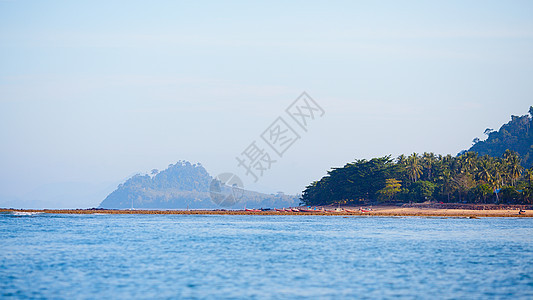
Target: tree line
[{"x": 467, "y": 178}]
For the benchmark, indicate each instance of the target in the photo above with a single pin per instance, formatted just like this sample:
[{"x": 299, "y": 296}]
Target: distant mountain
[
  {"x": 185, "y": 185},
  {"x": 515, "y": 135}
]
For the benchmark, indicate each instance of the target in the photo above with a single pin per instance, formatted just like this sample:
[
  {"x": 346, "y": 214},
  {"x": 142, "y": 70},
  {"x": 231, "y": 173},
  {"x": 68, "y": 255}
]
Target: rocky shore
[{"x": 413, "y": 210}]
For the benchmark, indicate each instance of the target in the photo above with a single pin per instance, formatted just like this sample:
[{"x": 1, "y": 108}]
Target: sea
[{"x": 111, "y": 256}]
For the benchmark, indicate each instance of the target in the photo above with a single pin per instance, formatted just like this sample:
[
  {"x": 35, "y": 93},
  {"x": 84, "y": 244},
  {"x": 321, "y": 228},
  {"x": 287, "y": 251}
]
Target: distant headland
[{"x": 184, "y": 186}]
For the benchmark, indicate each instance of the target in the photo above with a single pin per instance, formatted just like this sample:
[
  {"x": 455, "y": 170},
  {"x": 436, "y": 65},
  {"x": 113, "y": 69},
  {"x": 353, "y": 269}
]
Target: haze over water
[{"x": 291, "y": 257}]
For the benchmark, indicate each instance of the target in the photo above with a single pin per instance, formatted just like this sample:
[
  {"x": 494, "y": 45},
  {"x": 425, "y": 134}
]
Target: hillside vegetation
[
  {"x": 515, "y": 135},
  {"x": 183, "y": 185},
  {"x": 492, "y": 171}
]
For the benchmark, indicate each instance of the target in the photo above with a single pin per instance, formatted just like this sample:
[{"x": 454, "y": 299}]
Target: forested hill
[
  {"x": 184, "y": 185},
  {"x": 177, "y": 185},
  {"x": 515, "y": 135},
  {"x": 498, "y": 170}
]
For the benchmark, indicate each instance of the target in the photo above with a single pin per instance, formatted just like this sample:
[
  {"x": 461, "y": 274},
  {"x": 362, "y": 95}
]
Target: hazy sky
[{"x": 92, "y": 92}]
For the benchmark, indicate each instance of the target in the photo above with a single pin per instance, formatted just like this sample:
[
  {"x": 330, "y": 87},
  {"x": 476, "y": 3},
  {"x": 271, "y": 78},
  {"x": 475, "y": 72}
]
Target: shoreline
[{"x": 379, "y": 211}]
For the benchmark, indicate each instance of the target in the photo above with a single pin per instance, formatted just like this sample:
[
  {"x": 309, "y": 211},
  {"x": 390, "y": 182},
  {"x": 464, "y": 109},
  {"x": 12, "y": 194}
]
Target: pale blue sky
[{"x": 92, "y": 92}]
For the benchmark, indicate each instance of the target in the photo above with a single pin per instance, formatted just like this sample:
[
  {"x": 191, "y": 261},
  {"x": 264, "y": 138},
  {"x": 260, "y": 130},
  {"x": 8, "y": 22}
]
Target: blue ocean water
[{"x": 263, "y": 257}]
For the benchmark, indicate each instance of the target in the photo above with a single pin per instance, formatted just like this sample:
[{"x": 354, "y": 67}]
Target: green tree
[
  {"x": 509, "y": 194},
  {"x": 446, "y": 179},
  {"x": 529, "y": 176},
  {"x": 483, "y": 170},
  {"x": 421, "y": 191},
  {"x": 482, "y": 192},
  {"x": 361, "y": 179},
  {"x": 527, "y": 195},
  {"x": 392, "y": 187},
  {"x": 514, "y": 169},
  {"x": 414, "y": 168},
  {"x": 462, "y": 183},
  {"x": 428, "y": 164},
  {"x": 467, "y": 162}
]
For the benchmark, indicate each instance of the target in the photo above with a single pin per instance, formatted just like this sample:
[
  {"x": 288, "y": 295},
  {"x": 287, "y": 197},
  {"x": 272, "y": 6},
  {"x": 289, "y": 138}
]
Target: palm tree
[
  {"x": 507, "y": 154},
  {"x": 529, "y": 175},
  {"x": 428, "y": 161},
  {"x": 528, "y": 191},
  {"x": 401, "y": 160},
  {"x": 414, "y": 169},
  {"x": 446, "y": 177},
  {"x": 496, "y": 174},
  {"x": 468, "y": 162},
  {"x": 483, "y": 171},
  {"x": 514, "y": 167}
]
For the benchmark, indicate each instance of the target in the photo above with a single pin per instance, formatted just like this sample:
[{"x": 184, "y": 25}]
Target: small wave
[{"x": 25, "y": 213}]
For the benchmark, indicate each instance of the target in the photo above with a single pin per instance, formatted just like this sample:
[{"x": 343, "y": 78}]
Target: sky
[{"x": 92, "y": 92}]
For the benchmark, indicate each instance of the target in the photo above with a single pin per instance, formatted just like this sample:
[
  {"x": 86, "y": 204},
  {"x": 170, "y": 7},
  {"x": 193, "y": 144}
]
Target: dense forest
[{"x": 496, "y": 176}]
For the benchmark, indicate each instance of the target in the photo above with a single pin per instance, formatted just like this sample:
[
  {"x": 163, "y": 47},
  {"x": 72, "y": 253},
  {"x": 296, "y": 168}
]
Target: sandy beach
[{"x": 384, "y": 211}]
